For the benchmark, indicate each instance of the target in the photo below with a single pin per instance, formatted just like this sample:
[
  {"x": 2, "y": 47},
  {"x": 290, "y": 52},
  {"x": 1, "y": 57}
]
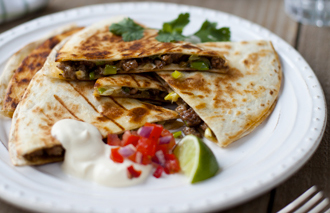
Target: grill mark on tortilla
[
  {"x": 84, "y": 97},
  {"x": 135, "y": 81},
  {"x": 62, "y": 103},
  {"x": 137, "y": 114},
  {"x": 188, "y": 46},
  {"x": 151, "y": 47},
  {"x": 95, "y": 108},
  {"x": 118, "y": 104},
  {"x": 122, "y": 128}
]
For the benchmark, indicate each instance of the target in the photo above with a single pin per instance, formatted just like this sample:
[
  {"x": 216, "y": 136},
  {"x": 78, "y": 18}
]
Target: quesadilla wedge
[
  {"x": 96, "y": 52},
  {"x": 229, "y": 106},
  {"x": 9, "y": 70},
  {"x": 140, "y": 86},
  {"x": 27, "y": 62},
  {"x": 48, "y": 100}
]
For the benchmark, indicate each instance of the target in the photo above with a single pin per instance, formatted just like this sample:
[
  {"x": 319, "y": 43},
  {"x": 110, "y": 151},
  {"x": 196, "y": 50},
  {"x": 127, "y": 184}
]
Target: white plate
[{"x": 250, "y": 166}]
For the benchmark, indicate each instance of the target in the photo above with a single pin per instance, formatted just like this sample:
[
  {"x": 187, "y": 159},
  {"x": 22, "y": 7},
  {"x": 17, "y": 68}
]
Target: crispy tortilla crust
[
  {"x": 9, "y": 70},
  {"x": 250, "y": 127},
  {"x": 28, "y": 67}
]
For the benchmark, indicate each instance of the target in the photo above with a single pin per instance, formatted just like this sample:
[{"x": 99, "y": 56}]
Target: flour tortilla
[
  {"x": 20, "y": 71},
  {"x": 48, "y": 100},
  {"x": 97, "y": 44},
  {"x": 233, "y": 104}
]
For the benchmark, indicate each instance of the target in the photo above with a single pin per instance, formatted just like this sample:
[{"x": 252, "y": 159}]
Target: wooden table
[{"x": 314, "y": 45}]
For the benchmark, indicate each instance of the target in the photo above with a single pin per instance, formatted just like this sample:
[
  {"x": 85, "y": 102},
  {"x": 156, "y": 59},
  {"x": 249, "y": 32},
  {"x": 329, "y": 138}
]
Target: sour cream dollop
[{"x": 87, "y": 157}]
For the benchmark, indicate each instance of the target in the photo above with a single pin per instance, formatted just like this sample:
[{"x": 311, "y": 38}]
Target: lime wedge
[{"x": 197, "y": 161}]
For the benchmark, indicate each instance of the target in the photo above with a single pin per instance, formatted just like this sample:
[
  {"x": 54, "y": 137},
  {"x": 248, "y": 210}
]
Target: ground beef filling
[
  {"x": 191, "y": 119},
  {"x": 153, "y": 94},
  {"x": 70, "y": 68},
  {"x": 54, "y": 153}
]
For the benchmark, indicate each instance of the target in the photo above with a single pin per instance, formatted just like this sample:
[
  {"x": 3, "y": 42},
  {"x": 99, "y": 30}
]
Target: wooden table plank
[{"x": 267, "y": 13}]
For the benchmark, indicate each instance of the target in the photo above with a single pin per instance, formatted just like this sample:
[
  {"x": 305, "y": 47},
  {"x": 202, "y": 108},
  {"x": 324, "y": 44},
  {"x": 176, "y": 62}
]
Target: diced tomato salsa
[{"x": 148, "y": 149}]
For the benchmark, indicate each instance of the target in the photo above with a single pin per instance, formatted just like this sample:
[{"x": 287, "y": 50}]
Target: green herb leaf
[
  {"x": 169, "y": 37},
  {"x": 172, "y": 30},
  {"x": 177, "y": 25},
  {"x": 128, "y": 29},
  {"x": 209, "y": 32}
]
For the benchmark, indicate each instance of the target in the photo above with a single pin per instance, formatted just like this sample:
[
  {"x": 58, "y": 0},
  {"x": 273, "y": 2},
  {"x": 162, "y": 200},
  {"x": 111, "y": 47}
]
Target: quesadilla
[
  {"x": 96, "y": 52},
  {"x": 140, "y": 86},
  {"x": 229, "y": 106},
  {"x": 35, "y": 54},
  {"x": 48, "y": 100}
]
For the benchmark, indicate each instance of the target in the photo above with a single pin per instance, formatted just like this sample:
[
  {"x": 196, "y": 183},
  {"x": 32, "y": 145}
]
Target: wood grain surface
[{"x": 314, "y": 45}]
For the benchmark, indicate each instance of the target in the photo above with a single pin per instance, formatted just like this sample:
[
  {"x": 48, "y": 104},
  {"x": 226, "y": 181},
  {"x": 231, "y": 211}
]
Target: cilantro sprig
[
  {"x": 209, "y": 32},
  {"x": 128, "y": 29},
  {"x": 172, "y": 30}
]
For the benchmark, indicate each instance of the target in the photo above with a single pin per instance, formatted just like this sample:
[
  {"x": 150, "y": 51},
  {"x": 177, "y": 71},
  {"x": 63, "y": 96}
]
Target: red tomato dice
[
  {"x": 132, "y": 173},
  {"x": 158, "y": 172},
  {"x": 115, "y": 156},
  {"x": 146, "y": 146},
  {"x": 131, "y": 139},
  {"x": 113, "y": 140},
  {"x": 172, "y": 143},
  {"x": 172, "y": 164},
  {"x": 156, "y": 132}
]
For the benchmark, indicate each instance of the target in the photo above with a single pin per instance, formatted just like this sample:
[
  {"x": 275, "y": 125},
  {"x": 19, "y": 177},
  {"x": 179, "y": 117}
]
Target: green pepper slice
[
  {"x": 194, "y": 58},
  {"x": 177, "y": 134},
  {"x": 92, "y": 75},
  {"x": 101, "y": 90},
  {"x": 99, "y": 63},
  {"x": 110, "y": 70},
  {"x": 199, "y": 65}
]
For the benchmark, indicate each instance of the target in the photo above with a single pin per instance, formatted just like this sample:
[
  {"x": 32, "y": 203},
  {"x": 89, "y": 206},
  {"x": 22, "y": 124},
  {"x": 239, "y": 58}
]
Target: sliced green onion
[
  {"x": 101, "y": 90},
  {"x": 110, "y": 69},
  {"x": 92, "y": 75},
  {"x": 99, "y": 63},
  {"x": 176, "y": 74},
  {"x": 177, "y": 134},
  {"x": 199, "y": 65}
]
